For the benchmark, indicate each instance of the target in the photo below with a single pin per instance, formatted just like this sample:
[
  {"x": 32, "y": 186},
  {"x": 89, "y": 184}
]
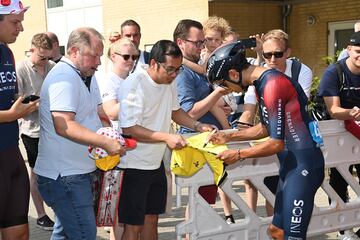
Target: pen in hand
[{"x": 208, "y": 137}]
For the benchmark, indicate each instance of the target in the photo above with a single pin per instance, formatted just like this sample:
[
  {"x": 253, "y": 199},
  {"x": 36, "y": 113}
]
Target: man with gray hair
[{"x": 70, "y": 113}]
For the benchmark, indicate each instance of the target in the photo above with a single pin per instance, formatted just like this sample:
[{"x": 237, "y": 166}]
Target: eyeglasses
[
  {"x": 127, "y": 56},
  {"x": 43, "y": 58},
  {"x": 268, "y": 55},
  {"x": 171, "y": 70},
  {"x": 198, "y": 44}
]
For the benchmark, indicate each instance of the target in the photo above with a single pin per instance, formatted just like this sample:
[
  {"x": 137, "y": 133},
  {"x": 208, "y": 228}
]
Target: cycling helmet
[{"x": 224, "y": 58}]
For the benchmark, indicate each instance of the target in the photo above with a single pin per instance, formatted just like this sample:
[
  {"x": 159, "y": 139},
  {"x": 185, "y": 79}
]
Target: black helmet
[{"x": 224, "y": 58}]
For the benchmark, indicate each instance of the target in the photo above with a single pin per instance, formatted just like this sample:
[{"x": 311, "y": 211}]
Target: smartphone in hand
[{"x": 30, "y": 98}]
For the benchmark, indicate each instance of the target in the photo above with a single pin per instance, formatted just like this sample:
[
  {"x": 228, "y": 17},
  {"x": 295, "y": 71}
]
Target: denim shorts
[{"x": 72, "y": 201}]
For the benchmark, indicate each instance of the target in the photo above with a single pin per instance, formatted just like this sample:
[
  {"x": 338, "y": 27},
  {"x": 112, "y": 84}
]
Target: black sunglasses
[
  {"x": 268, "y": 55},
  {"x": 127, "y": 56}
]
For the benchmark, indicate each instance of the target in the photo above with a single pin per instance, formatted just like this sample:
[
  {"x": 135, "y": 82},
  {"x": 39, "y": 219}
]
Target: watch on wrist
[{"x": 239, "y": 158}]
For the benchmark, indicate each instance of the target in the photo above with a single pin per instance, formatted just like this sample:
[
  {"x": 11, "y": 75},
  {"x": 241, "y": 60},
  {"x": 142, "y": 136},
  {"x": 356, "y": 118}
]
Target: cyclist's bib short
[
  {"x": 282, "y": 105},
  {"x": 298, "y": 182},
  {"x": 14, "y": 188}
]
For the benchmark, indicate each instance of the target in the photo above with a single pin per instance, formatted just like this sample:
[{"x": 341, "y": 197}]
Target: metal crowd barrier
[{"x": 341, "y": 150}]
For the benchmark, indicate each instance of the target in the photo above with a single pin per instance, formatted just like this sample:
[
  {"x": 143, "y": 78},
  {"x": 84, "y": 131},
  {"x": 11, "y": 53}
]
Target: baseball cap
[
  {"x": 355, "y": 39},
  {"x": 11, "y": 7}
]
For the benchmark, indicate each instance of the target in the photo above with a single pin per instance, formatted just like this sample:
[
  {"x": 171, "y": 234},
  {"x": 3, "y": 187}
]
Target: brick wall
[
  {"x": 248, "y": 19},
  {"x": 309, "y": 43}
]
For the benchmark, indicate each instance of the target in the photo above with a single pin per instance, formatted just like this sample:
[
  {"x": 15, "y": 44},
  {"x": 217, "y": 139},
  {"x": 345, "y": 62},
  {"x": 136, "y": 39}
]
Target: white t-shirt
[
  {"x": 110, "y": 90},
  {"x": 63, "y": 90},
  {"x": 150, "y": 105},
  {"x": 305, "y": 80}
]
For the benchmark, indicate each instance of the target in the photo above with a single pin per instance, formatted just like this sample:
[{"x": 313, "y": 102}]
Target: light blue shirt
[{"x": 64, "y": 91}]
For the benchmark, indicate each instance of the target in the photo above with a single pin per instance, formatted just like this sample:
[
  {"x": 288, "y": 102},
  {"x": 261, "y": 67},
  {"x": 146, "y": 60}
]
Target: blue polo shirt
[{"x": 193, "y": 87}]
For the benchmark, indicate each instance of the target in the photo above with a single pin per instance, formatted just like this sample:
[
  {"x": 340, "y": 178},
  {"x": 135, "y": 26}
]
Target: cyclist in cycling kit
[{"x": 294, "y": 137}]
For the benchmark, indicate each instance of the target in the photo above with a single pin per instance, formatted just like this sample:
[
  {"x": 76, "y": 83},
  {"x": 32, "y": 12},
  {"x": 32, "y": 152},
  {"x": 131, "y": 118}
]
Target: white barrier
[{"x": 341, "y": 150}]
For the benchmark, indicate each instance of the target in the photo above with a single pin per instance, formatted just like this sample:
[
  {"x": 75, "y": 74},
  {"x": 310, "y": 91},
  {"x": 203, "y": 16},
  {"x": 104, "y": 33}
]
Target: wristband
[{"x": 238, "y": 156}]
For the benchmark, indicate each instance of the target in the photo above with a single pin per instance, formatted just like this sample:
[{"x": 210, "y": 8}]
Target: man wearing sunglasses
[
  {"x": 148, "y": 104},
  {"x": 131, "y": 30},
  {"x": 273, "y": 48},
  {"x": 195, "y": 94},
  {"x": 292, "y": 136},
  {"x": 31, "y": 74}
]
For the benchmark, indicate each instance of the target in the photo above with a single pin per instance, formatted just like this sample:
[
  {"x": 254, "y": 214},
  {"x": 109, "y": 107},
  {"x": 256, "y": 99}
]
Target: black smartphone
[
  {"x": 30, "y": 98},
  {"x": 248, "y": 42}
]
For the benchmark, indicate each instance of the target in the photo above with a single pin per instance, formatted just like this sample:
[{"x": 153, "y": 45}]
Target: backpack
[
  {"x": 320, "y": 112},
  {"x": 295, "y": 68}
]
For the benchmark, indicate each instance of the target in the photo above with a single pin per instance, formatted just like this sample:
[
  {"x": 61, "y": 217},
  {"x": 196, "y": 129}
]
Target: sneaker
[
  {"x": 229, "y": 219},
  {"x": 45, "y": 223},
  {"x": 348, "y": 235}
]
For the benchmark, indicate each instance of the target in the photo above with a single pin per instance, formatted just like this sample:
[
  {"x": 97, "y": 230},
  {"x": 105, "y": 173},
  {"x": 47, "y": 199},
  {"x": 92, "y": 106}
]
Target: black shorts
[
  {"x": 143, "y": 193},
  {"x": 14, "y": 188},
  {"x": 31, "y": 147}
]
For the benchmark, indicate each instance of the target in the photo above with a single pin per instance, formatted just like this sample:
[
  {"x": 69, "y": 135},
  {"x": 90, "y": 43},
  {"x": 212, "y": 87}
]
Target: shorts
[
  {"x": 14, "y": 188},
  {"x": 31, "y": 147},
  {"x": 209, "y": 193},
  {"x": 143, "y": 193}
]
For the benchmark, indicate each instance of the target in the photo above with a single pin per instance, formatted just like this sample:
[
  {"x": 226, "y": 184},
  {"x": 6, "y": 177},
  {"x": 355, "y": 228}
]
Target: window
[
  {"x": 54, "y": 3},
  {"x": 339, "y": 35}
]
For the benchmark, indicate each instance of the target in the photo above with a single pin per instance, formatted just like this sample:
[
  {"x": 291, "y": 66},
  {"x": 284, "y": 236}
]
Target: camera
[{"x": 248, "y": 42}]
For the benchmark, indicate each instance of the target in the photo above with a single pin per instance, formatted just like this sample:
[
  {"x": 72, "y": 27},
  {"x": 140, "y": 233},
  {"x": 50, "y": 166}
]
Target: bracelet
[
  {"x": 197, "y": 123},
  {"x": 238, "y": 156}
]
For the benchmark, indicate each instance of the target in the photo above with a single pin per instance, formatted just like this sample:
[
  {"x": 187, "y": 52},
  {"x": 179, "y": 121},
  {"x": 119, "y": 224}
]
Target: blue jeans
[{"x": 72, "y": 201}]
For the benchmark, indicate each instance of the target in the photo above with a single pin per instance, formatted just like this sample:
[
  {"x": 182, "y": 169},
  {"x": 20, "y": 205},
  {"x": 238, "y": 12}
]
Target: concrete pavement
[{"x": 168, "y": 221}]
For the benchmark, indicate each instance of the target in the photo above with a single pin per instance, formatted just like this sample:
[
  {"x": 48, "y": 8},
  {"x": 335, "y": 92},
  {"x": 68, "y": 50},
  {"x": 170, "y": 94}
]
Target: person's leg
[
  {"x": 15, "y": 194},
  {"x": 131, "y": 232},
  {"x": 31, "y": 147},
  {"x": 116, "y": 231},
  {"x": 71, "y": 199},
  {"x": 275, "y": 233},
  {"x": 226, "y": 203},
  {"x": 272, "y": 183},
  {"x": 58, "y": 231},
  {"x": 251, "y": 194},
  {"x": 19, "y": 232},
  {"x": 150, "y": 231}
]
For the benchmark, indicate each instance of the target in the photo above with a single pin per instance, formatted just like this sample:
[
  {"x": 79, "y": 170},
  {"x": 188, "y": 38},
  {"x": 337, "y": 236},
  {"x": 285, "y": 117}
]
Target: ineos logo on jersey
[
  {"x": 295, "y": 224},
  {"x": 7, "y": 77}
]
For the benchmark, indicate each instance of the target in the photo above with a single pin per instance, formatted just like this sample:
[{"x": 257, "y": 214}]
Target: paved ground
[{"x": 167, "y": 222}]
